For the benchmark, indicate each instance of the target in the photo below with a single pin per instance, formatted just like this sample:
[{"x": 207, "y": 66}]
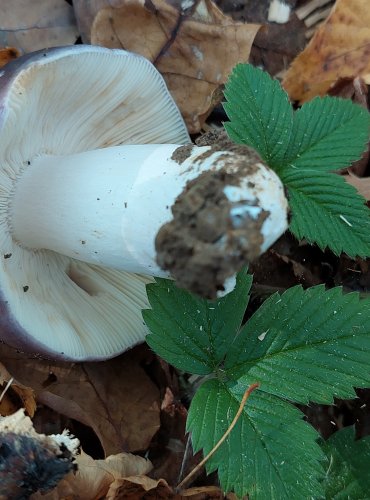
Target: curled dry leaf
[
  {"x": 30, "y": 25},
  {"x": 119, "y": 477},
  {"x": 24, "y": 394},
  {"x": 8, "y": 54},
  {"x": 115, "y": 398},
  {"x": 339, "y": 48},
  {"x": 194, "y": 49},
  {"x": 94, "y": 479},
  {"x": 137, "y": 487}
]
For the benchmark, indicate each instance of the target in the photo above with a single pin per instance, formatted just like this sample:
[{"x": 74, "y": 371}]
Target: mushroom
[{"x": 94, "y": 153}]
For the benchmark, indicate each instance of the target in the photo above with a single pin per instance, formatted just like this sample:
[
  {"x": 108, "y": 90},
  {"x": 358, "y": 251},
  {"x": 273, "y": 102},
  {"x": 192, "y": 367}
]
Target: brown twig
[{"x": 246, "y": 395}]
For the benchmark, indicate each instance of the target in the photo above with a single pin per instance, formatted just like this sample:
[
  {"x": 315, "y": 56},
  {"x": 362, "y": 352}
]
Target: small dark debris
[
  {"x": 7, "y": 255},
  {"x": 26, "y": 288}
]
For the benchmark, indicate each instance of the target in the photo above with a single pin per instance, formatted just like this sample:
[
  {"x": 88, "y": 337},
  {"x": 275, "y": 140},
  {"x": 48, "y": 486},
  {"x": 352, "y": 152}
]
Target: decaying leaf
[
  {"x": 24, "y": 395},
  {"x": 194, "y": 49},
  {"x": 339, "y": 48},
  {"x": 137, "y": 487},
  {"x": 119, "y": 477},
  {"x": 8, "y": 54},
  {"x": 94, "y": 479},
  {"x": 30, "y": 25},
  {"x": 115, "y": 398}
]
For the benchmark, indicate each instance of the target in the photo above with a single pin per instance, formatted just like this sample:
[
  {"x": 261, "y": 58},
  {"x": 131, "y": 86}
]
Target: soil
[{"x": 202, "y": 246}]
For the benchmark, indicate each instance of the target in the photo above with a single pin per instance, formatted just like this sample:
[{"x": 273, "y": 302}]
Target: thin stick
[
  {"x": 185, "y": 458},
  {"x": 6, "y": 388},
  {"x": 247, "y": 393}
]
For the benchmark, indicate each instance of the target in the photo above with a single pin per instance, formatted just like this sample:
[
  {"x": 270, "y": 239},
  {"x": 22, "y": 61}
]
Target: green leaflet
[
  {"x": 269, "y": 448},
  {"x": 328, "y": 211},
  {"x": 191, "y": 333},
  {"x": 328, "y": 134},
  {"x": 305, "y": 345},
  {"x": 347, "y": 469},
  {"x": 259, "y": 112}
]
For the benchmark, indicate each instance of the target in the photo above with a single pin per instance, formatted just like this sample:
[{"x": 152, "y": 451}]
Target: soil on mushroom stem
[{"x": 194, "y": 244}]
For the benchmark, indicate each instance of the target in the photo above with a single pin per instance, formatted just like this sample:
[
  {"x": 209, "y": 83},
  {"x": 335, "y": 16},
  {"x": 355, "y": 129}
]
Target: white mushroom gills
[{"x": 82, "y": 206}]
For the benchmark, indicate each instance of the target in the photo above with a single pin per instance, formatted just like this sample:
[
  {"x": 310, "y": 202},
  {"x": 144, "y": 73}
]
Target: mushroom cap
[{"x": 62, "y": 101}]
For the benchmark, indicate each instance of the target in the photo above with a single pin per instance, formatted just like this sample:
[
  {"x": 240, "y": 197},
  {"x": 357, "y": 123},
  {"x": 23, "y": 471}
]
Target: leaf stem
[{"x": 246, "y": 395}]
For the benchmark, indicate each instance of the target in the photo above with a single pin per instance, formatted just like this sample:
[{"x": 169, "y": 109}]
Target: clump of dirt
[{"x": 204, "y": 245}]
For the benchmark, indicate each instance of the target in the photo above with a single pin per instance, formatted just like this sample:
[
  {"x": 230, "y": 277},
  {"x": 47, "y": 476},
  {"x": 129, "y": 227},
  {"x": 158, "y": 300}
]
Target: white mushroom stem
[{"x": 106, "y": 206}]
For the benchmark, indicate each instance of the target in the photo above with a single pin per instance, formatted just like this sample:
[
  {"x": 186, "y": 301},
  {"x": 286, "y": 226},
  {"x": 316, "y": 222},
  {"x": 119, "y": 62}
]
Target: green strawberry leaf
[
  {"x": 260, "y": 113},
  {"x": 328, "y": 211},
  {"x": 191, "y": 333},
  {"x": 328, "y": 134},
  {"x": 270, "y": 453},
  {"x": 305, "y": 345},
  {"x": 347, "y": 469}
]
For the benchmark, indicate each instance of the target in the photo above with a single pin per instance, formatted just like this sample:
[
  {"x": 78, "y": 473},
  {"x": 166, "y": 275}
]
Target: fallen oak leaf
[
  {"x": 339, "y": 48},
  {"x": 194, "y": 49},
  {"x": 115, "y": 398}
]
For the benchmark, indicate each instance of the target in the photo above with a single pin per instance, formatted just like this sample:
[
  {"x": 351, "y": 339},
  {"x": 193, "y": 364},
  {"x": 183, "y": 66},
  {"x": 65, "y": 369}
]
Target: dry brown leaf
[
  {"x": 24, "y": 394},
  {"x": 115, "y": 398},
  {"x": 362, "y": 184},
  {"x": 339, "y": 48},
  {"x": 94, "y": 478},
  {"x": 300, "y": 270},
  {"x": 85, "y": 12},
  {"x": 136, "y": 487},
  {"x": 206, "y": 493},
  {"x": 8, "y": 54},
  {"x": 120, "y": 477},
  {"x": 30, "y": 25},
  {"x": 195, "y": 50}
]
